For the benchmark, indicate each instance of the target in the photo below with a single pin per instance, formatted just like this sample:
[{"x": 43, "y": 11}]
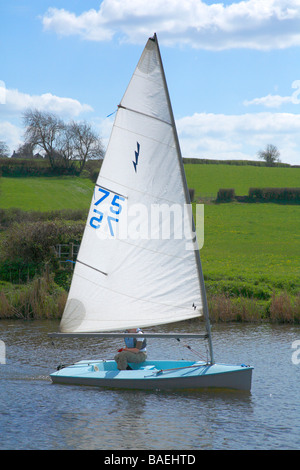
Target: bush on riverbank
[
  {"x": 34, "y": 241},
  {"x": 26, "y": 249},
  {"x": 39, "y": 299},
  {"x": 285, "y": 309},
  {"x": 282, "y": 308}
]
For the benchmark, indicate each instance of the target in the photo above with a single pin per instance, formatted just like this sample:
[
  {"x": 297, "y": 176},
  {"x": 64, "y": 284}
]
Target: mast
[{"x": 187, "y": 197}]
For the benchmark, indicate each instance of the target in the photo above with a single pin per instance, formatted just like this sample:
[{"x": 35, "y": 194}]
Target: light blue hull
[{"x": 156, "y": 375}]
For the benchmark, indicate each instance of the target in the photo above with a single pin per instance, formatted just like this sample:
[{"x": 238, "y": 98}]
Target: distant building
[{"x": 26, "y": 155}]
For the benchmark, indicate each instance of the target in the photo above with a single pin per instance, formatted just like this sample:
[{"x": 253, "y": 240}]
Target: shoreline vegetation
[
  {"x": 250, "y": 256},
  {"x": 42, "y": 298}
]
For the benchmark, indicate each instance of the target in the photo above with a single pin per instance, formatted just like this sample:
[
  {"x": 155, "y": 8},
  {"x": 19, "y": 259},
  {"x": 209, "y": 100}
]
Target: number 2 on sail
[{"x": 115, "y": 208}]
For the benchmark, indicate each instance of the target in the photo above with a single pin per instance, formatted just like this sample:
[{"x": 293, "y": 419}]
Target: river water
[{"x": 36, "y": 414}]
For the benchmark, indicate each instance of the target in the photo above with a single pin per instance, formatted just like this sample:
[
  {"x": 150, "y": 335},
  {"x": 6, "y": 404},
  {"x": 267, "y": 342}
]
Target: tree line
[{"x": 67, "y": 146}]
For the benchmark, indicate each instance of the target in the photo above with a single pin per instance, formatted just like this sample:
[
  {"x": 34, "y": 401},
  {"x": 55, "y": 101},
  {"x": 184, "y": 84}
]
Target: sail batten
[
  {"x": 135, "y": 266},
  {"x": 146, "y": 115},
  {"x": 106, "y": 189},
  {"x": 91, "y": 267}
]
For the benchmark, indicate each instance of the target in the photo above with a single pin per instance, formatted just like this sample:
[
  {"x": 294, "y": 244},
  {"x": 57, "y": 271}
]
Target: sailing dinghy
[{"x": 128, "y": 274}]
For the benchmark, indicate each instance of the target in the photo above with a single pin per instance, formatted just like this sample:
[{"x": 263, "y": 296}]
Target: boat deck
[{"x": 157, "y": 375}]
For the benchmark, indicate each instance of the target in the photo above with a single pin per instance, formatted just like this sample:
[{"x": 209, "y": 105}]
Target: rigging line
[
  {"x": 144, "y": 114},
  {"x": 111, "y": 113},
  {"x": 192, "y": 350}
]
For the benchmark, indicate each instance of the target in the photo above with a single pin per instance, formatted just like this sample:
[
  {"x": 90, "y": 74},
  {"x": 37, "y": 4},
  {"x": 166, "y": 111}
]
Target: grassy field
[
  {"x": 208, "y": 179},
  {"x": 254, "y": 242},
  {"x": 250, "y": 251},
  {"x": 250, "y": 241},
  {"x": 45, "y": 194}
]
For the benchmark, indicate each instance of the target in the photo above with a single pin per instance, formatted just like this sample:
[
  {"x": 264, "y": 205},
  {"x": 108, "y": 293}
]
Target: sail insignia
[{"x": 136, "y": 153}]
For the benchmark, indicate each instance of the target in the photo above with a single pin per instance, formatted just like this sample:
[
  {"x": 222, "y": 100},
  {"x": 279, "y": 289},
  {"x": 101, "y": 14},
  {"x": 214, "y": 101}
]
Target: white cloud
[
  {"x": 275, "y": 101},
  {"x": 231, "y": 137},
  {"x": 235, "y": 137},
  {"x": 13, "y": 103},
  {"x": 213, "y": 136},
  {"x": 11, "y": 134},
  {"x": 16, "y": 102},
  {"x": 254, "y": 24}
]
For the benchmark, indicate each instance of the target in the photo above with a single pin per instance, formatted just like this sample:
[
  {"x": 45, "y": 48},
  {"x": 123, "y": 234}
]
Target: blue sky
[{"x": 233, "y": 68}]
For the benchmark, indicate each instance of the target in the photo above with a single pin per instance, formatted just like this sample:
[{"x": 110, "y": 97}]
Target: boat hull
[{"x": 156, "y": 375}]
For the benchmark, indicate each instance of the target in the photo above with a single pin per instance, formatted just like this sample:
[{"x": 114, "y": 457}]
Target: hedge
[
  {"x": 15, "y": 167},
  {"x": 275, "y": 194},
  {"x": 225, "y": 195}
]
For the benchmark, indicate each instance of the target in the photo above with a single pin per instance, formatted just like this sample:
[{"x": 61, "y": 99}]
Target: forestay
[{"x": 129, "y": 271}]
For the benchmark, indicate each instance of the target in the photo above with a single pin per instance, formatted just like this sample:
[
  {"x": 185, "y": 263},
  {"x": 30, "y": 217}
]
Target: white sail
[{"x": 134, "y": 267}]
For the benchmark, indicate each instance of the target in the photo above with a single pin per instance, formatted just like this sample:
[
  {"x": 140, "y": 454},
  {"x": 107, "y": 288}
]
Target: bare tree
[
  {"x": 67, "y": 145},
  {"x": 271, "y": 154},
  {"x": 85, "y": 143},
  {"x": 44, "y": 130},
  {"x": 4, "y": 150}
]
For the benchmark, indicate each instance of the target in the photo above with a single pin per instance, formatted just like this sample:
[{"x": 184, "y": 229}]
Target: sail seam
[
  {"x": 144, "y": 114},
  {"x": 151, "y": 250},
  {"x": 144, "y": 135},
  {"x": 137, "y": 298},
  {"x": 137, "y": 190}
]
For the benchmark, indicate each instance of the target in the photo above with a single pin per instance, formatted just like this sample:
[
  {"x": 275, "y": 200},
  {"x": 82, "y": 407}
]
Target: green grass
[
  {"x": 208, "y": 179},
  {"x": 45, "y": 194},
  {"x": 258, "y": 243},
  {"x": 250, "y": 241},
  {"x": 250, "y": 261},
  {"x": 250, "y": 250}
]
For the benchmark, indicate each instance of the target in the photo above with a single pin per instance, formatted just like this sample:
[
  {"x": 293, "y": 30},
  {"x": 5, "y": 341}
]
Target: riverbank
[{"x": 42, "y": 299}]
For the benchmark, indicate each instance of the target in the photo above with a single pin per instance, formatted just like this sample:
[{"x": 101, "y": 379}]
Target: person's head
[{"x": 132, "y": 330}]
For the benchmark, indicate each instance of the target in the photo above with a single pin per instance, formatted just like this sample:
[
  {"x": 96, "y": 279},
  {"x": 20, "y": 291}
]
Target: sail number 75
[{"x": 111, "y": 205}]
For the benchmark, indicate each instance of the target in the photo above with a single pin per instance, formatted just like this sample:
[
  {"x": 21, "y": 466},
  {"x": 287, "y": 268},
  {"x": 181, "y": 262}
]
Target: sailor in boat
[{"x": 135, "y": 351}]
